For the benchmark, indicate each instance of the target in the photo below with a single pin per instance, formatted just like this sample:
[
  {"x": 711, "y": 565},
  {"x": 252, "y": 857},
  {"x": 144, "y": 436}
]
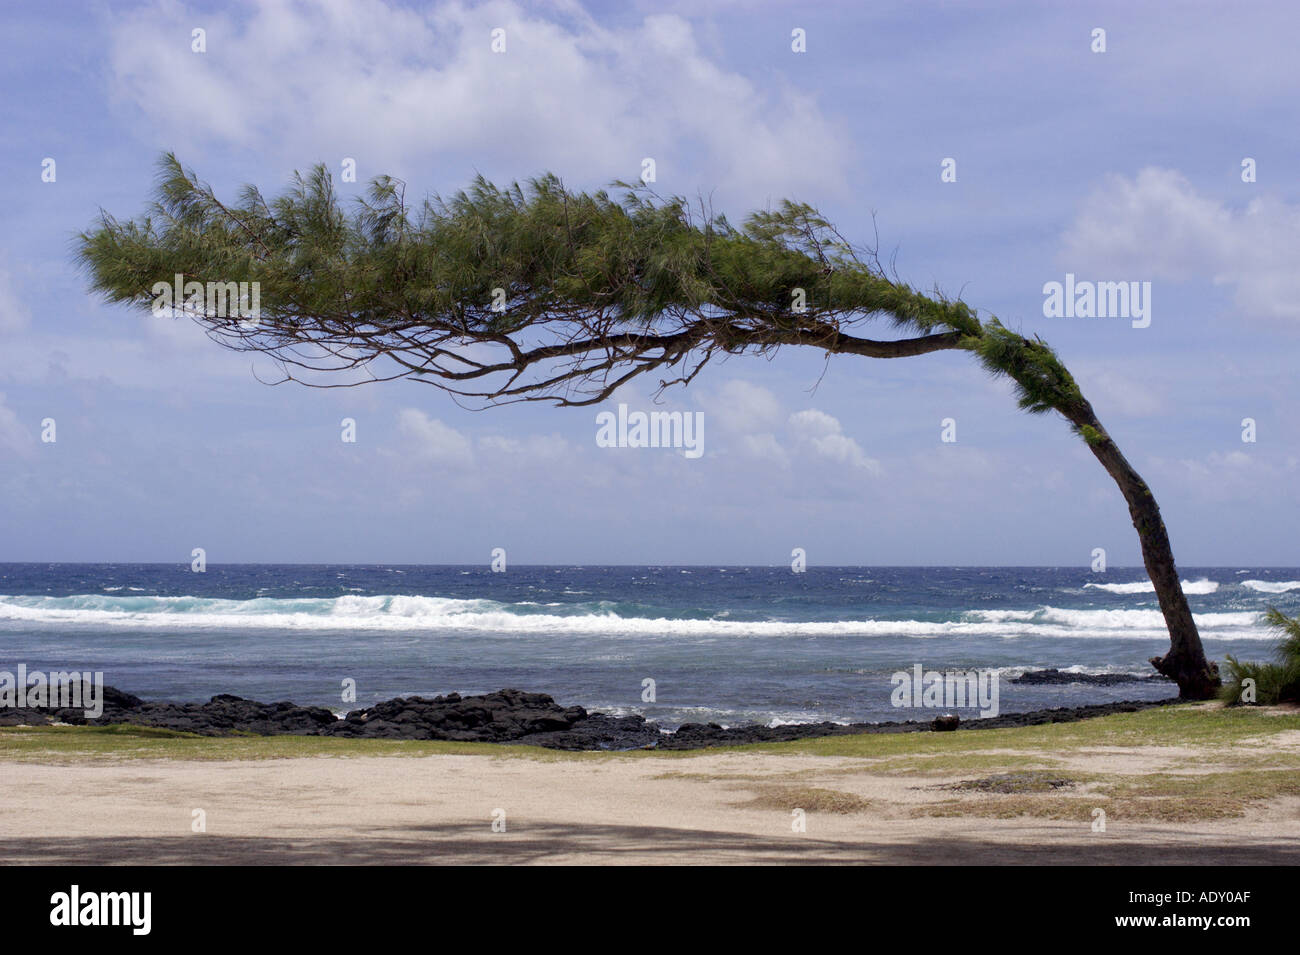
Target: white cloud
[
  {"x": 740, "y": 407},
  {"x": 751, "y": 419},
  {"x": 13, "y": 436},
  {"x": 765, "y": 446},
  {"x": 1121, "y": 391},
  {"x": 1247, "y": 477},
  {"x": 434, "y": 441},
  {"x": 538, "y": 447},
  {"x": 820, "y": 433},
  {"x": 814, "y": 424},
  {"x": 1157, "y": 226},
  {"x": 14, "y": 314},
  {"x": 384, "y": 84}
]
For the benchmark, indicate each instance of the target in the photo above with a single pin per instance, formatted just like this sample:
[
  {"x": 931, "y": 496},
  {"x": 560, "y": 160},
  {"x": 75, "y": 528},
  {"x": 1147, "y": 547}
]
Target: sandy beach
[{"x": 723, "y": 807}]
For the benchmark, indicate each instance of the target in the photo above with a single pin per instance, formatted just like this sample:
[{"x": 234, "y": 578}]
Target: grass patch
[
  {"x": 124, "y": 741},
  {"x": 1191, "y": 725},
  {"x": 1238, "y": 759},
  {"x": 947, "y": 764},
  {"x": 1176, "y": 797},
  {"x": 1041, "y": 782},
  {"x": 724, "y": 777},
  {"x": 1067, "y": 808},
  {"x": 807, "y": 798},
  {"x": 1154, "y": 797}
]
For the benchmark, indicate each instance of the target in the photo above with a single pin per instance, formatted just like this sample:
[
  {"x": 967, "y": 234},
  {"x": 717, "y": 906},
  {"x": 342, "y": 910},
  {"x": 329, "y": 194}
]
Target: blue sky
[{"x": 1123, "y": 165}]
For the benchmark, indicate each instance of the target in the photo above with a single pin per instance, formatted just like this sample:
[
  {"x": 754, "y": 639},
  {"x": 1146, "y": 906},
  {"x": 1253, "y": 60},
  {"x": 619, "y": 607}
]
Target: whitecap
[
  {"x": 1272, "y": 587},
  {"x": 1192, "y": 588}
]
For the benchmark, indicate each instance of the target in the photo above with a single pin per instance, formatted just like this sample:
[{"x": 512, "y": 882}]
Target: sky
[{"x": 1128, "y": 164}]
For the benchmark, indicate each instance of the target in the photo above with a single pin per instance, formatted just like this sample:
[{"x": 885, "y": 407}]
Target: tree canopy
[{"x": 534, "y": 292}]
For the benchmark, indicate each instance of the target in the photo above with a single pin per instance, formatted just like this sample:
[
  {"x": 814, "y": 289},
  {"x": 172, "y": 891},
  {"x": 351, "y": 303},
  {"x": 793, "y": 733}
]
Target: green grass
[
  {"x": 1181, "y": 725},
  {"x": 945, "y": 764},
  {"x": 1038, "y": 781},
  {"x": 1150, "y": 797},
  {"x": 75, "y": 743},
  {"x": 1032, "y": 747},
  {"x": 807, "y": 798}
]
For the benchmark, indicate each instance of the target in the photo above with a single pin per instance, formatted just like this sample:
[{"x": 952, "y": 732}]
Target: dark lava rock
[
  {"x": 506, "y": 716},
  {"x": 221, "y": 715},
  {"x": 117, "y": 706},
  {"x": 700, "y": 735},
  {"x": 601, "y": 731},
  {"x": 1064, "y": 714},
  {"x": 119, "y": 700},
  {"x": 1055, "y": 676},
  {"x": 945, "y": 723}
]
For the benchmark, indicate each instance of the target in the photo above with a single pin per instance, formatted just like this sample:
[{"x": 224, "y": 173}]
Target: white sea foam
[
  {"x": 1110, "y": 623},
  {"x": 417, "y": 613},
  {"x": 1190, "y": 587},
  {"x": 1271, "y": 587}
]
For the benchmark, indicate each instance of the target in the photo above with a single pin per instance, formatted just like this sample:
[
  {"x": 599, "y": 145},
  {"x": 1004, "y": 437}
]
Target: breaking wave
[
  {"x": 1271, "y": 587},
  {"x": 1190, "y": 587},
  {"x": 606, "y": 618}
]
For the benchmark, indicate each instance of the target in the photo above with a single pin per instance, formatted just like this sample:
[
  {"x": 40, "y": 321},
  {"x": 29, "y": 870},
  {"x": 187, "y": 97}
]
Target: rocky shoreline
[
  {"x": 506, "y": 716},
  {"x": 1055, "y": 676}
]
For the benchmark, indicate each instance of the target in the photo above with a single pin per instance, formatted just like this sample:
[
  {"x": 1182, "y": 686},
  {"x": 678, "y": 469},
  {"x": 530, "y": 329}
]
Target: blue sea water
[{"x": 725, "y": 644}]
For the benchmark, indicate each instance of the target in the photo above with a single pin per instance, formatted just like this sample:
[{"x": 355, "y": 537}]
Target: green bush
[{"x": 1274, "y": 682}]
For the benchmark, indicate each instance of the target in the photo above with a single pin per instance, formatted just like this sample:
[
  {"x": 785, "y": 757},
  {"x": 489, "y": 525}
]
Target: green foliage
[
  {"x": 552, "y": 250},
  {"x": 1090, "y": 434},
  {"x": 1275, "y": 682},
  {"x": 582, "y": 276},
  {"x": 1042, "y": 382}
]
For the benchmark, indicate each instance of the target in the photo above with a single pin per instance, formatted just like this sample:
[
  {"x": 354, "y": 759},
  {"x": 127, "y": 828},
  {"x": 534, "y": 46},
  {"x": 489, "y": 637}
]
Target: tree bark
[{"x": 1185, "y": 663}]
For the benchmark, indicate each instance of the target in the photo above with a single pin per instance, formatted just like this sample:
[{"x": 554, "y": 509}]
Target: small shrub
[{"x": 1277, "y": 682}]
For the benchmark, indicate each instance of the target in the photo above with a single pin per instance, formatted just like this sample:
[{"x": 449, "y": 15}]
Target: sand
[{"x": 715, "y": 807}]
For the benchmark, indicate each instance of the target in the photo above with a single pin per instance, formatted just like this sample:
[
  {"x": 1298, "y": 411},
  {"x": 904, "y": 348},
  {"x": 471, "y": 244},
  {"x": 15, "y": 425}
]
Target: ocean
[{"x": 729, "y": 645}]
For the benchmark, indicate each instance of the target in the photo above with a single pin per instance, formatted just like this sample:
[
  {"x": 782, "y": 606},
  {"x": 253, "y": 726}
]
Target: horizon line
[{"x": 487, "y": 564}]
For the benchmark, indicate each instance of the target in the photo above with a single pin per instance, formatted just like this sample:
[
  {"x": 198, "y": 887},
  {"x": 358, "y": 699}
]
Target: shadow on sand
[{"x": 609, "y": 844}]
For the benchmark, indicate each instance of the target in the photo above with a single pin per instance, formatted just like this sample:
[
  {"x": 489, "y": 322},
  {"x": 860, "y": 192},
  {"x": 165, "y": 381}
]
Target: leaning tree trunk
[{"x": 1185, "y": 663}]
